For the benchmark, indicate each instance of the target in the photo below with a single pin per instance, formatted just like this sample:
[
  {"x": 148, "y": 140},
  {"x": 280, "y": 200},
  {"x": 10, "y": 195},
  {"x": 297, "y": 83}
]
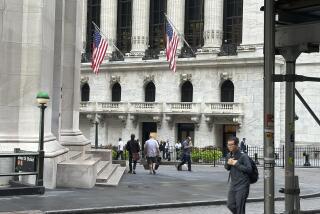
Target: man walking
[
  {"x": 243, "y": 146},
  {"x": 133, "y": 148},
  {"x": 186, "y": 154},
  {"x": 120, "y": 149},
  {"x": 239, "y": 166},
  {"x": 151, "y": 149}
]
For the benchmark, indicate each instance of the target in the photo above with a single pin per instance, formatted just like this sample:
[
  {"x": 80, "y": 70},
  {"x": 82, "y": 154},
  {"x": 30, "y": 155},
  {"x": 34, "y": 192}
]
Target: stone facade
[{"x": 207, "y": 71}]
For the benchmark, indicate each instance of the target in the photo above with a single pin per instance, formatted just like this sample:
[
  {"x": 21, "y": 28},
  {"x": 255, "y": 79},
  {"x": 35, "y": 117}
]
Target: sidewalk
[{"x": 168, "y": 186}]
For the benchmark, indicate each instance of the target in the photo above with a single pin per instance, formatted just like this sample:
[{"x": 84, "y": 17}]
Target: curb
[{"x": 131, "y": 208}]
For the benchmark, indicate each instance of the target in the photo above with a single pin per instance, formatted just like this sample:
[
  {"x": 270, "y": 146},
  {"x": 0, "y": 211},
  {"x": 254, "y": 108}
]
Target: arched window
[
  {"x": 116, "y": 92},
  {"x": 232, "y": 21},
  {"x": 194, "y": 22},
  {"x": 227, "y": 91},
  {"x": 150, "y": 92},
  {"x": 186, "y": 92},
  {"x": 85, "y": 92}
]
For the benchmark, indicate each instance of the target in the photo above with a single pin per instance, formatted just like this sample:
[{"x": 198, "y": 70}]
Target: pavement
[{"x": 205, "y": 188}]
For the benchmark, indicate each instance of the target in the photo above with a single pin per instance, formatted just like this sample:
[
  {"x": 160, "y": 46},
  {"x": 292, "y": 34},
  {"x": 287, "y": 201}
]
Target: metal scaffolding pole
[
  {"x": 289, "y": 139},
  {"x": 269, "y": 55}
]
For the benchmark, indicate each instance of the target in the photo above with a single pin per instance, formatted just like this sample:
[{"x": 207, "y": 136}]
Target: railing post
[
  {"x": 282, "y": 156},
  {"x": 214, "y": 157}
]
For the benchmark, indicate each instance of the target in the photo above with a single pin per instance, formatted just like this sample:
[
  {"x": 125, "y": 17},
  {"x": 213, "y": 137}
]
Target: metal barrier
[{"x": 24, "y": 163}]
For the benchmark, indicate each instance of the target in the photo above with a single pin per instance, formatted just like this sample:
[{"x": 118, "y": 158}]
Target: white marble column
[
  {"x": 108, "y": 22},
  {"x": 70, "y": 135},
  {"x": 213, "y": 24},
  {"x": 84, "y": 25},
  {"x": 176, "y": 13},
  {"x": 252, "y": 24},
  {"x": 140, "y": 26}
]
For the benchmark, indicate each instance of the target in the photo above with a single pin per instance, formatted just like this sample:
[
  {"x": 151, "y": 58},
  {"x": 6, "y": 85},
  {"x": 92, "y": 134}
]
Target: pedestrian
[
  {"x": 151, "y": 149},
  {"x": 178, "y": 149},
  {"x": 186, "y": 154},
  {"x": 243, "y": 146},
  {"x": 240, "y": 167},
  {"x": 167, "y": 150},
  {"x": 133, "y": 148},
  {"x": 120, "y": 149}
]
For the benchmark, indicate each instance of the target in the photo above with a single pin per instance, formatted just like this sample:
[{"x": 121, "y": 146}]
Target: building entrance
[
  {"x": 184, "y": 130},
  {"x": 228, "y": 131},
  {"x": 147, "y": 128}
]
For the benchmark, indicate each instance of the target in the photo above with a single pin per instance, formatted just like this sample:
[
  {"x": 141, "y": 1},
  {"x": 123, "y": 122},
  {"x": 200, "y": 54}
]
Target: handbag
[{"x": 135, "y": 156}]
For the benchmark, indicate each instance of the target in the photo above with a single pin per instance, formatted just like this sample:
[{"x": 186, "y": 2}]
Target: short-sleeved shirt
[
  {"x": 152, "y": 148},
  {"x": 120, "y": 145}
]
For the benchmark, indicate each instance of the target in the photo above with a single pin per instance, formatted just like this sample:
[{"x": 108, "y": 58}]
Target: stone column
[
  {"x": 213, "y": 24},
  {"x": 108, "y": 22},
  {"x": 140, "y": 26},
  {"x": 70, "y": 135},
  {"x": 176, "y": 13},
  {"x": 84, "y": 25},
  {"x": 27, "y": 31},
  {"x": 252, "y": 24}
]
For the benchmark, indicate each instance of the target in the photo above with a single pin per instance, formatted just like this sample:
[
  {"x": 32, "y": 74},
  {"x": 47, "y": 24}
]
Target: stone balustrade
[
  {"x": 223, "y": 108},
  {"x": 218, "y": 108}
]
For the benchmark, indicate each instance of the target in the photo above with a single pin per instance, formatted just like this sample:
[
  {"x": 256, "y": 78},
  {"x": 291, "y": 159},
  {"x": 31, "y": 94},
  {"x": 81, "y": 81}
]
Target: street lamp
[{"x": 42, "y": 99}]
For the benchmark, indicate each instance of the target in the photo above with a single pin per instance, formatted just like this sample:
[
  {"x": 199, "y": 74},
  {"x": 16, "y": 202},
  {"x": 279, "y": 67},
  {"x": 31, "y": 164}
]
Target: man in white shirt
[
  {"x": 178, "y": 149},
  {"x": 151, "y": 149},
  {"x": 120, "y": 149}
]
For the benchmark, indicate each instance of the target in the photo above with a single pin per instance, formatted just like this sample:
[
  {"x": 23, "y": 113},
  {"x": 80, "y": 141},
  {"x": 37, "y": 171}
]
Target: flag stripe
[
  {"x": 100, "y": 46},
  {"x": 171, "y": 47}
]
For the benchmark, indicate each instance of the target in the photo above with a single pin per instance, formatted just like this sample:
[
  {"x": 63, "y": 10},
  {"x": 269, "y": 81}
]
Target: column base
[{"x": 74, "y": 140}]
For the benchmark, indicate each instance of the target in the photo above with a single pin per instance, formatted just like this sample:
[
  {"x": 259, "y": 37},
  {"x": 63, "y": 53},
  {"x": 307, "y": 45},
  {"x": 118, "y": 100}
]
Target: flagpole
[
  {"x": 180, "y": 35},
  {"x": 96, "y": 26}
]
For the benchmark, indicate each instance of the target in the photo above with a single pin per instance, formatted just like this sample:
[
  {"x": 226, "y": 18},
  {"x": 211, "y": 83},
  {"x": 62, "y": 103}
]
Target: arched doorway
[
  {"x": 227, "y": 91},
  {"x": 116, "y": 92},
  {"x": 150, "y": 92},
  {"x": 187, "y": 92},
  {"x": 85, "y": 92}
]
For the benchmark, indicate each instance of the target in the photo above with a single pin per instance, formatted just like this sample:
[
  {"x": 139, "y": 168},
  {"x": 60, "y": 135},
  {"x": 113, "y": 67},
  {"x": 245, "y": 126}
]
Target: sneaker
[
  {"x": 178, "y": 168},
  {"x": 134, "y": 172},
  {"x": 130, "y": 172}
]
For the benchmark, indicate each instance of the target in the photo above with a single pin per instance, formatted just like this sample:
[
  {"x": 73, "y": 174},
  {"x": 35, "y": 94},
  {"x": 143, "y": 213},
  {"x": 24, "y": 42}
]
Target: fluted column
[
  {"x": 70, "y": 135},
  {"x": 213, "y": 24},
  {"x": 140, "y": 26},
  {"x": 84, "y": 25},
  {"x": 176, "y": 13},
  {"x": 108, "y": 22}
]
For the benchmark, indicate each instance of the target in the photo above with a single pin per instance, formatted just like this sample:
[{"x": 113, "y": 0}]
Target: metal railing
[
  {"x": 305, "y": 156},
  {"x": 24, "y": 163}
]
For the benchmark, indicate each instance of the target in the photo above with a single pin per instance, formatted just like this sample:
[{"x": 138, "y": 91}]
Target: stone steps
[
  {"x": 114, "y": 179},
  {"x": 101, "y": 166},
  {"x": 73, "y": 155},
  {"x": 106, "y": 173}
]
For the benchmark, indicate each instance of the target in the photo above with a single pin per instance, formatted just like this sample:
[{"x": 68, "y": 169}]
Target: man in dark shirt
[
  {"x": 133, "y": 148},
  {"x": 239, "y": 166},
  {"x": 186, "y": 154}
]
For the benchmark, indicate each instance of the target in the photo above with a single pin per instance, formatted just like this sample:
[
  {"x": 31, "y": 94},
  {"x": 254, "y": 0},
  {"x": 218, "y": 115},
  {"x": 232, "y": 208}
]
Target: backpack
[{"x": 254, "y": 175}]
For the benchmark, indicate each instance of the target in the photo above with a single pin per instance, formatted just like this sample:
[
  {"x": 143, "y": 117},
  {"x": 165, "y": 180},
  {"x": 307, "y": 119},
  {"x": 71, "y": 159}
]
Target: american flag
[
  {"x": 172, "y": 44},
  {"x": 100, "y": 46}
]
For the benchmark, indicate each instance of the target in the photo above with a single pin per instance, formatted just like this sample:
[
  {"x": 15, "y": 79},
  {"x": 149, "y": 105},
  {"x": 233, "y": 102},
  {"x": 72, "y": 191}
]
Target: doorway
[
  {"x": 184, "y": 130},
  {"x": 147, "y": 127},
  {"x": 228, "y": 131}
]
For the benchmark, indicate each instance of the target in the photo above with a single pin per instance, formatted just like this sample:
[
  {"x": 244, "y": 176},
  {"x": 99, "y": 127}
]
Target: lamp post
[{"x": 42, "y": 99}]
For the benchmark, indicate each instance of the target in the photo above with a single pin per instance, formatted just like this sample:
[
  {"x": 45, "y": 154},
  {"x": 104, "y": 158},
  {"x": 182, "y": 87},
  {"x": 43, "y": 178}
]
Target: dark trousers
[
  {"x": 119, "y": 153},
  {"x": 237, "y": 200},
  {"x": 178, "y": 154},
  {"x": 130, "y": 163},
  {"x": 185, "y": 159}
]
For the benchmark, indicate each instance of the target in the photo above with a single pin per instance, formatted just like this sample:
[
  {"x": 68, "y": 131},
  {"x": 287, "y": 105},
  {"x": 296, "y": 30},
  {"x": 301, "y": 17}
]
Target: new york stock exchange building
[{"x": 216, "y": 91}]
